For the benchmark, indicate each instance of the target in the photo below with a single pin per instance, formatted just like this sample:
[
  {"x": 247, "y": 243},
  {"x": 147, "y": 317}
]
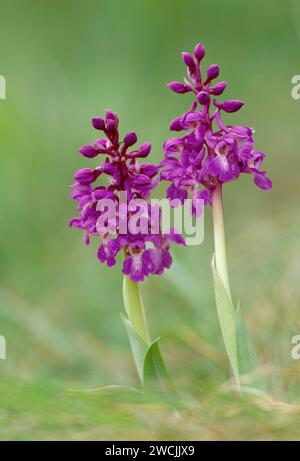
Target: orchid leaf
[
  {"x": 227, "y": 319},
  {"x": 138, "y": 346},
  {"x": 155, "y": 368},
  {"x": 247, "y": 360},
  {"x": 148, "y": 360}
]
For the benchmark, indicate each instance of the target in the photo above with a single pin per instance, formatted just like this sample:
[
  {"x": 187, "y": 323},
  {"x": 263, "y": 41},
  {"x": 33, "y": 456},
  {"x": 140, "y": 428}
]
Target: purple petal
[
  {"x": 175, "y": 237},
  {"x": 262, "y": 181},
  {"x": 75, "y": 222},
  {"x": 149, "y": 170},
  {"x": 157, "y": 260},
  {"x": 135, "y": 267}
]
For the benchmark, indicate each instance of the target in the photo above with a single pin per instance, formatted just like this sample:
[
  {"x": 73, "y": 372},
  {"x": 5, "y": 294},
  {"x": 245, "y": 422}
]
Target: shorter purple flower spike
[{"x": 124, "y": 176}]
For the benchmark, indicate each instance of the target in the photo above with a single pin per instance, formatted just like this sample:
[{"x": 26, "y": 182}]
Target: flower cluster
[
  {"x": 120, "y": 172},
  {"x": 211, "y": 152}
]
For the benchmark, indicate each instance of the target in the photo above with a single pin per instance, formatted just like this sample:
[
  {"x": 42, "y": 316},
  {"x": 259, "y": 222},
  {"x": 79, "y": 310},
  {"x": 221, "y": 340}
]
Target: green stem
[
  {"x": 135, "y": 309},
  {"x": 237, "y": 342},
  {"x": 225, "y": 307},
  {"x": 146, "y": 353},
  {"x": 219, "y": 237}
]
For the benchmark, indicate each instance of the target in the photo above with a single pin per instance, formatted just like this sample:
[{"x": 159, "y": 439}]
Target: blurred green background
[{"x": 64, "y": 62}]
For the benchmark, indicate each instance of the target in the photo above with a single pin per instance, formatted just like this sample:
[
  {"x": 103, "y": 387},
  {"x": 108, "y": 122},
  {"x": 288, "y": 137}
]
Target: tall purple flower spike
[
  {"x": 210, "y": 153},
  {"x": 123, "y": 173}
]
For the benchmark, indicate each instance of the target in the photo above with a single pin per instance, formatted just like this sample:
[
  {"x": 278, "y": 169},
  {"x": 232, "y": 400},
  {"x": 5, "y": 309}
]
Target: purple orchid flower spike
[
  {"x": 209, "y": 153},
  {"x": 120, "y": 171},
  {"x": 113, "y": 199},
  {"x": 199, "y": 162}
]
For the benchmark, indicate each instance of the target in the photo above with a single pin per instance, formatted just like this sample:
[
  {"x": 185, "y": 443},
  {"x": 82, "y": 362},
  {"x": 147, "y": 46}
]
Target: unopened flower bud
[
  {"x": 199, "y": 52},
  {"x": 203, "y": 98},
  {"x": 88, "y": 151},
  {"x": 178, "y": 87},
  {"x": 176, "y": 125},
  {"x": 85, "y": 176},
  {"x": 144, "y": 149},
  {"x": 130, "y": 139},
  {"x": 232, "y": 105},
  {"x": 188, "y": 60},
  {"x": 111, "y": 126},
  {"x": 98, "y": 123},
  {"x": 218, "y": 88},
  {"x": 213, "y": 72}
]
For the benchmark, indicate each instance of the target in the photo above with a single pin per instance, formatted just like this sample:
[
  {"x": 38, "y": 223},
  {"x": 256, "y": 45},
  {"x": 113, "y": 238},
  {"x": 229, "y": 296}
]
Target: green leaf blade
[
  {"x": 247, "y": 359},
  {"x": 155, "y": 368},
  {"x": 227, "y": 320},
  {"x": 138, "y": 347}
]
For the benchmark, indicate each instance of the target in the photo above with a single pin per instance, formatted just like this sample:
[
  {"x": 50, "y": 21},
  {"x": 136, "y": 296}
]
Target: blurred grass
[
  {"x": 92, "y": 416},
  {"x": 59, "y": 308}
]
